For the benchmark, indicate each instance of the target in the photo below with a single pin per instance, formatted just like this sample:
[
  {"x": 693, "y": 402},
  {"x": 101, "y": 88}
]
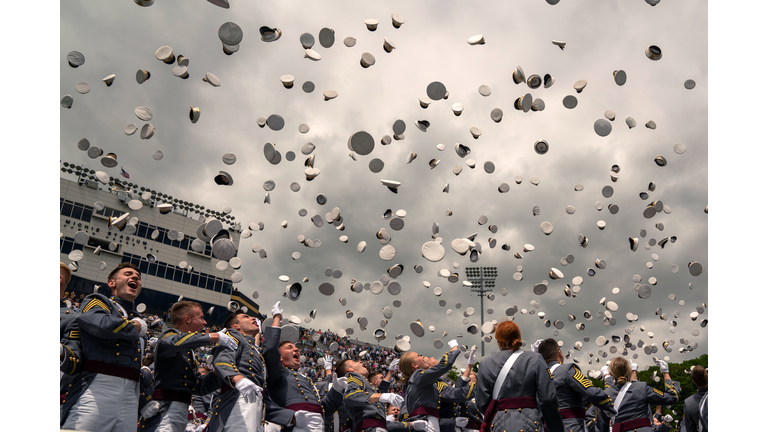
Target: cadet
[
  {"x": 420, "y": 374},
  {"x": 364, "y": 405},
  {"x": 450, "y": 396},
  {"x": 632, "y": 400},
  {"x": 293, "y": 400},
  {"x": 468, "y": 408},
  {"x": 382, "y": 385},
  {"x": 176, "y": 369},
  {"x": 239, "y": 408},
  {"x": 104, "y": 396},
  {"x": 573, "y": 388},
  {"x": 509, "y": 383},
  {"x": 695, "y": 414}
]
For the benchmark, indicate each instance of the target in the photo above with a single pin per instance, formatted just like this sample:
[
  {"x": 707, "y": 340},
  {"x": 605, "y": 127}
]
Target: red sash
[
  {"x": 424, "y": 411},
  {"x": 632, "y": 424},
  {"x": 568, "y": 413},
  {"x": 369, "y": 423}
]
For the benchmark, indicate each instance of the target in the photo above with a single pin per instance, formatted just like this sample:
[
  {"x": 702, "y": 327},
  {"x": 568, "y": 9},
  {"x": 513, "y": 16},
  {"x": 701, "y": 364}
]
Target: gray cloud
[{"x": 431, "y": 46}]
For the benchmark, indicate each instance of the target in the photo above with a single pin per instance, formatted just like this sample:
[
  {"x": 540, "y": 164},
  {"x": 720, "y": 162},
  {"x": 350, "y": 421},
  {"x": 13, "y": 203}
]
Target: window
[
  {"x": 218, "y": 285},
  {"x": 186, "y": 277},
  {"x": 143, "y": 266},
  {"x": 87, "y": 213},
  {"x": 177, "y": 276},
  {"x": 141, "y": 230},
  {"x": 184, "y": 243},
  {"x": 66, "y": 208},
  {"x": 65, "y": 245},
  {"x": 210, "y": 283},
  {"x": 136, "y": 260},
  {"x": 77, "y": 211},
  {"x": 169, "y": 271},
  {"x": 194, "y": 278},
  {"x": 202, "y": 281},
  {"x": 161, "y": 270},
  {"x": 227, "y": 287},
  {"x": 152, "y": 269}
]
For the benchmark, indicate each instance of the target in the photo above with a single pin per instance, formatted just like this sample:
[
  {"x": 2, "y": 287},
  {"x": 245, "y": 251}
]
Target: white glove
[
  {"x": 202, "y": 427},
  {"x": 452, "y": 343},
  {"x": 391, "y": 418},
  {"x": 327, "y": 362},
  {"x": 393, "y": 366},
  {"x": 667, "y": 418},
  {"x": 634, "y": 366},
  {"x": 308, "y": 419},
  {"x": 663, "y": 366},
  {"x": 276, "y": 309},
  {"x": 604, "y": 371},
  {"x": 471, "y": 359},
  {"x": 535, "y": 346},
  {"x": 143, "y": 326},
  {"x": 249, "y": 390},
  {"x": 340, "y": 384},
  {"x": 461, "y": 421},
  {"x": 226, "y": 340},
  {"x": 419, "y": 425},
  {"x": 150, "y": 409},
  {"x": 258, "y": 323},
  {"x": 392, "y": 399},
  {"x": 152, "y": 341}
]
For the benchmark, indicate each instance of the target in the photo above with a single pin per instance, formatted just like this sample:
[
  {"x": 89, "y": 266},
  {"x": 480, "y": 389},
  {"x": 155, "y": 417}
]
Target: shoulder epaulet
[
  {"x": 356, "y": 381},
  {"x": 96, "y": 303},
  {"x": 584, "y": 381},
  {"x": 441, "y": 385},
  {"x": 237, "y": 341}
]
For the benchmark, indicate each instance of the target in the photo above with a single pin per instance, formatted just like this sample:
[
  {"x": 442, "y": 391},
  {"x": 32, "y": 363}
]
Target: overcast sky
[{"x": 601, "y": 37}]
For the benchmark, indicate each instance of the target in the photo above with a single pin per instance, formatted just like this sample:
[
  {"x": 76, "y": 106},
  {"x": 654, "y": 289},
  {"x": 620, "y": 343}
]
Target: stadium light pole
[{"x": 483, "y": 281}]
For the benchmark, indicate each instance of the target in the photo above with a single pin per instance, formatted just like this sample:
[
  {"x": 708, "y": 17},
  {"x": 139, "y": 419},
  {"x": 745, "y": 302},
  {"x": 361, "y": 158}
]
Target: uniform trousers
[
  {"x": 175, "y": 418},
  {"x": 109, "y": 404},
  {"x": 244, "y": 417}
]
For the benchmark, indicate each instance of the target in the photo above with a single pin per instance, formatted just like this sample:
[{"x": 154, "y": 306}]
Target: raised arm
[{"x": 583, "y": 386}]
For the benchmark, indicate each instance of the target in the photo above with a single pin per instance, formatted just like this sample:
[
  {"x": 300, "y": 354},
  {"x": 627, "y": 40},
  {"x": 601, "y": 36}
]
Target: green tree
[{"x": 453, "y": 374}]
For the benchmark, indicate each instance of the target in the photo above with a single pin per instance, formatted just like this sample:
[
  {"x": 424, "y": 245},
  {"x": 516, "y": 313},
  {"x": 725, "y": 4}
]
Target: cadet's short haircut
[
  {"x": 182, "y": 309},
  {"x": 373, "y": 375},
  {"x": 700, "y": 376},
  {"x": 283, "y": 343},
  {"x": 232, "y": 319},
  {"x": 549, "y": 349},
  {"x": 341, "y": 368},
  {"x": 122, "y": 266},
  {"x": 65, "y": 271}
]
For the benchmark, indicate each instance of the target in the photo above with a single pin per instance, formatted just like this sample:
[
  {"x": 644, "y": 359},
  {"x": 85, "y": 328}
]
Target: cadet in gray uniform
[
  {"x": 104, "y": 396},
  {"x": 468, "y": 409},
  {"x": 176, "y": 368},
  {"x": 515, "y": 407},
  {"x": 451, "y": 396},
  {"x": 696, "y": 405},
  {"x": 364, "y": 405},
  {"x": 293, "y": 400},
  {"x": 421, "y": 374},
  {"x": 573, "y": 388},
  {"x": 632, "y": 399},
  {"x": 241, "y": 372}
]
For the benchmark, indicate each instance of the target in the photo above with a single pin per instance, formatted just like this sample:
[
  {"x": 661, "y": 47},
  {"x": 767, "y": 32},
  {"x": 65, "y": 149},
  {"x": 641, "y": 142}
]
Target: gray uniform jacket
[
  {"x": 468, "y": 408},
  {"x": 574, "y": 389},
  {"x": 176, "y": 371},
  {"x": 691, "y": 414},
  {"x": 288, "y": 387},
  {"x": 103, "y": 335},
  {"x": 636, "y": 402},
  {"x": 247, "y": 361},
  {"x": 529, "y": 377},
  {"x": 591, "y": 419},
  {"x": 421, "y": 389},
  {"x": 449, "y": 399},
  {"x": 356, "y": 401}
]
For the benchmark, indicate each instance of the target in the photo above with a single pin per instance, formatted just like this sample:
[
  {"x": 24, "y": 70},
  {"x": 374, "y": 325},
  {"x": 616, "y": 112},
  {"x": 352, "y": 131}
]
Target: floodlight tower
[{"x": 483, "y": 280}]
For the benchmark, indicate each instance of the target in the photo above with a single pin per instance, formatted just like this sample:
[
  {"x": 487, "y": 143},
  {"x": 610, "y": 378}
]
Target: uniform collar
[
  {"x": 703, "y": 390},
  {"x": 553, "y": 362},
  {"x": 127, "y": 304}
]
